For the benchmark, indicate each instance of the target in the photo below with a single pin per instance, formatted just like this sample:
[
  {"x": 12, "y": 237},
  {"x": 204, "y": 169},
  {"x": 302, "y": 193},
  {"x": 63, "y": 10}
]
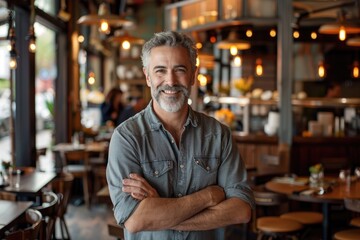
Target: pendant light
[
  {"x": 259, "y": 67},
  {"x": 355, "y": 70},
  {"x": 126, "y": 40},
  {"x": 321, "y": 69},
  {"x": 343, "y": 27},
  {"x": 233, "y": 42},
  {"x": 104, "y": 19}
]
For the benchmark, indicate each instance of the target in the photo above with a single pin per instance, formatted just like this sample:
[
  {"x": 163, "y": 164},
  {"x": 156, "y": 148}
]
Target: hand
[
  {"x": 217, "y": 194},
  {"x": 138, "y": 187}
]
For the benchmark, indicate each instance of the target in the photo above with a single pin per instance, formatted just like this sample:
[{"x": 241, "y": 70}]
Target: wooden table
[
  {"x": 10, "y": 212},
  {"x": 336, "y": 196},
  {"x": 93, "y": 147},
  {"x": 31, "y": 184}
]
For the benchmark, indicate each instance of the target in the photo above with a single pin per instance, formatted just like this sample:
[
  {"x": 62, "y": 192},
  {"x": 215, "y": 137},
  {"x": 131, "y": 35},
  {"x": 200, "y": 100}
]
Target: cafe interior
[{"x": 282, "y": 74}]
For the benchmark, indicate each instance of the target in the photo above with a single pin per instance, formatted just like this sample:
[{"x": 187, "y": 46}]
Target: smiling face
[{"x": 170, "y": 77}]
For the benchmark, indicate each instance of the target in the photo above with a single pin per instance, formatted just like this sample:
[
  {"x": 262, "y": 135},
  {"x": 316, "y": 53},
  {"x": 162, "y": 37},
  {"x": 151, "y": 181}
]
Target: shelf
[
  {"x": 327, "y": 102},
  {"x": 307, "y": 102}
]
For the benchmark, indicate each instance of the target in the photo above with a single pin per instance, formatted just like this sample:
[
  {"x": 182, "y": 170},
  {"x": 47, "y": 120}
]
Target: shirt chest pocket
[
  {"x": 205, "y": 171},
  {"x": 159, "y": 175},
  {"x": 207, "y": 164},
  {"x": 157, "y": 168}
]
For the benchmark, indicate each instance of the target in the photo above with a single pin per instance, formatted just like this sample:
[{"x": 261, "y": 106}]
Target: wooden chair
[
  {"x": 351, "y": 234},
  {"x": 49, "y": 211},
  {"x": 62, "y": 184},
  {"x": 28, "y": 228},
  {"x": 77, "y": 163},
  {"x": 115, "y": 230}
]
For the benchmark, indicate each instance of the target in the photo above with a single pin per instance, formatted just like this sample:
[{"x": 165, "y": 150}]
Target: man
[{"x": 174, "y": 173}]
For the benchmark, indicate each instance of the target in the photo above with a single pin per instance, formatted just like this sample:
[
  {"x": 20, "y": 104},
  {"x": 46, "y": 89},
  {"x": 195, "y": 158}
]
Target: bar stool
[
  {"x": 350, "y": 234},
  {"x": 307, "y": 218},
  {"x": 274, "y": 226}
]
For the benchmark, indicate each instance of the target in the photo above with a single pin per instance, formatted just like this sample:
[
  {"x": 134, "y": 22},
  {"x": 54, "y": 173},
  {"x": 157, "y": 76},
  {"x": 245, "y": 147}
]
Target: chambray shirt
[{"x": 206, "y": 155}]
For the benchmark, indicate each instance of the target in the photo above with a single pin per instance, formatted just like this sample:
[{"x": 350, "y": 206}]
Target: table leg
[{"x": 326, "y": 222}]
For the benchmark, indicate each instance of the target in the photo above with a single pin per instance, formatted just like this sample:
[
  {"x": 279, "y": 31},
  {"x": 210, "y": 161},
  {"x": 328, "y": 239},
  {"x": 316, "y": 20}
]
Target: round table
[{"x": 335, "y": 196}]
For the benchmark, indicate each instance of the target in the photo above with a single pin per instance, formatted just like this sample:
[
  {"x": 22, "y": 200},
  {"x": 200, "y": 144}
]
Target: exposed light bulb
[
  {"x": 202, "y": 80},
  {"x": 81, "y": 38},
  {"x": 313, "y": 35},
  {"x": 321, "y": 69},
  {"x": 356, "y": 69},
  {"x": 199, "y": 45},
  {"x": 91, "y": 79},
  {"x": 249, "y": 33},
  {"x": 32, "y": 46},
  {"x": 272, "y": 33},
  {"x": 126, "y": 45},
  {"x": 342, "y": 33},
  {"x": 237, "y": 61},
  {"x": 233, "y": 50},
  {"x": 104, "y": 27},
  {"x": 197, "y": 62},
  {"x": 296, "y": 34},
  {"x": 13, "y": 63},
  {"x": 259, "y": 68}
]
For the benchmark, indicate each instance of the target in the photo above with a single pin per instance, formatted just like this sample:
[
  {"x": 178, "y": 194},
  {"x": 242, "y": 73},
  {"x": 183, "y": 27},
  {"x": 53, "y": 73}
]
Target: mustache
[{"x": 180, "y": 88}]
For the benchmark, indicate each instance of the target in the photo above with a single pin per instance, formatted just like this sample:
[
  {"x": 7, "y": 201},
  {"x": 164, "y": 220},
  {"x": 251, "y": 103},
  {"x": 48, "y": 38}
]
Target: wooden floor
[{"x": 87, "y": 224}]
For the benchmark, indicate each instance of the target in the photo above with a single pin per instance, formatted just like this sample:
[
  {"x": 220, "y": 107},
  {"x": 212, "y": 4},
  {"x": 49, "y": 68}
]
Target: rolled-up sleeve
[
  {"x": 122, "y": 161},
  {"x": 232, "y": 172}
]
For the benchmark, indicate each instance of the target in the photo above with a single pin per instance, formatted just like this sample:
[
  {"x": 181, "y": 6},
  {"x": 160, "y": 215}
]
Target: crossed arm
[{"x": 202, "y": 210}]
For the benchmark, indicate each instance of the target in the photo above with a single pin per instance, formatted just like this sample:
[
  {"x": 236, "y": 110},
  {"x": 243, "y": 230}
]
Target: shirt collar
[{"x": 155, "y": 123}]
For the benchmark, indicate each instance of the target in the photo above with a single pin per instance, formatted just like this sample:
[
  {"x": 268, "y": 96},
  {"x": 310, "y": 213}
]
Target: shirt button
[
  {"x": 156, "y": 172},
  {"x": 179, "y": 195},
  {"x": 208, "y": 168},
  {"x": 181, "y": 166},
  {"x": 197, "y": 162}
]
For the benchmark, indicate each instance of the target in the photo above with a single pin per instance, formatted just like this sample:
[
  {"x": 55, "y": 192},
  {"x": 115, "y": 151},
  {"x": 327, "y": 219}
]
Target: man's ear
[{"x": 146, "y": 77}]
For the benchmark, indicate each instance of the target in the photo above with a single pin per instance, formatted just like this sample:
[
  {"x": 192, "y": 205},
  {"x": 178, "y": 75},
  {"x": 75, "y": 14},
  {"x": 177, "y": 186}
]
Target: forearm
[
  {"x": 165, "y": 213},
  {"x": 228, "y": 212}
]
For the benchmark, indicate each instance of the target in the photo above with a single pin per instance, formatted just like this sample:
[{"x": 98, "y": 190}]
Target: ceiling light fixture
[
  {"x": 104, "y": 19},
  {"x": 342, "y": 27},
  {"x": 31, "y": 37},
  {"x": 233, "y": 42}
]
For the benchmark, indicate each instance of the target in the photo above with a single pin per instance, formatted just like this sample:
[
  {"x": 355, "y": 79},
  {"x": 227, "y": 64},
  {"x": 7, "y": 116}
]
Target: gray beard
[{"x": 170, "y": 104}]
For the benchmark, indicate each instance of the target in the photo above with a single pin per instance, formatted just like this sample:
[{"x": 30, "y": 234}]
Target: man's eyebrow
[{"x": 159, "y": 67}]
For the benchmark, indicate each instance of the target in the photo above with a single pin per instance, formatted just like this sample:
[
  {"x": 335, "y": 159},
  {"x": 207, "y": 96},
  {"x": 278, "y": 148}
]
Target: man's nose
[{"x": 171, "y": 79}]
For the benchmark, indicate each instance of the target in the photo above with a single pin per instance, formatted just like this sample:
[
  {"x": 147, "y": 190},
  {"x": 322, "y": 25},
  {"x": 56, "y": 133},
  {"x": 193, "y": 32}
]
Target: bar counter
[{"x": 261, "y": 152}]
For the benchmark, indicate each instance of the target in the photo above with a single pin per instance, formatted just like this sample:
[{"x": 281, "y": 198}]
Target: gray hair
[{"x": 171, "y": 39}]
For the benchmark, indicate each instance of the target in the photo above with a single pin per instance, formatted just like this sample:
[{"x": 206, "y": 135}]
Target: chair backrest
[
  {"x": 49, "y": 210},
  {"x": 63, "y": 184},
  {"x": 80, "y": 156},
  {"x": 29, "y": 228},
  {"x": 352, "y": 204}
]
